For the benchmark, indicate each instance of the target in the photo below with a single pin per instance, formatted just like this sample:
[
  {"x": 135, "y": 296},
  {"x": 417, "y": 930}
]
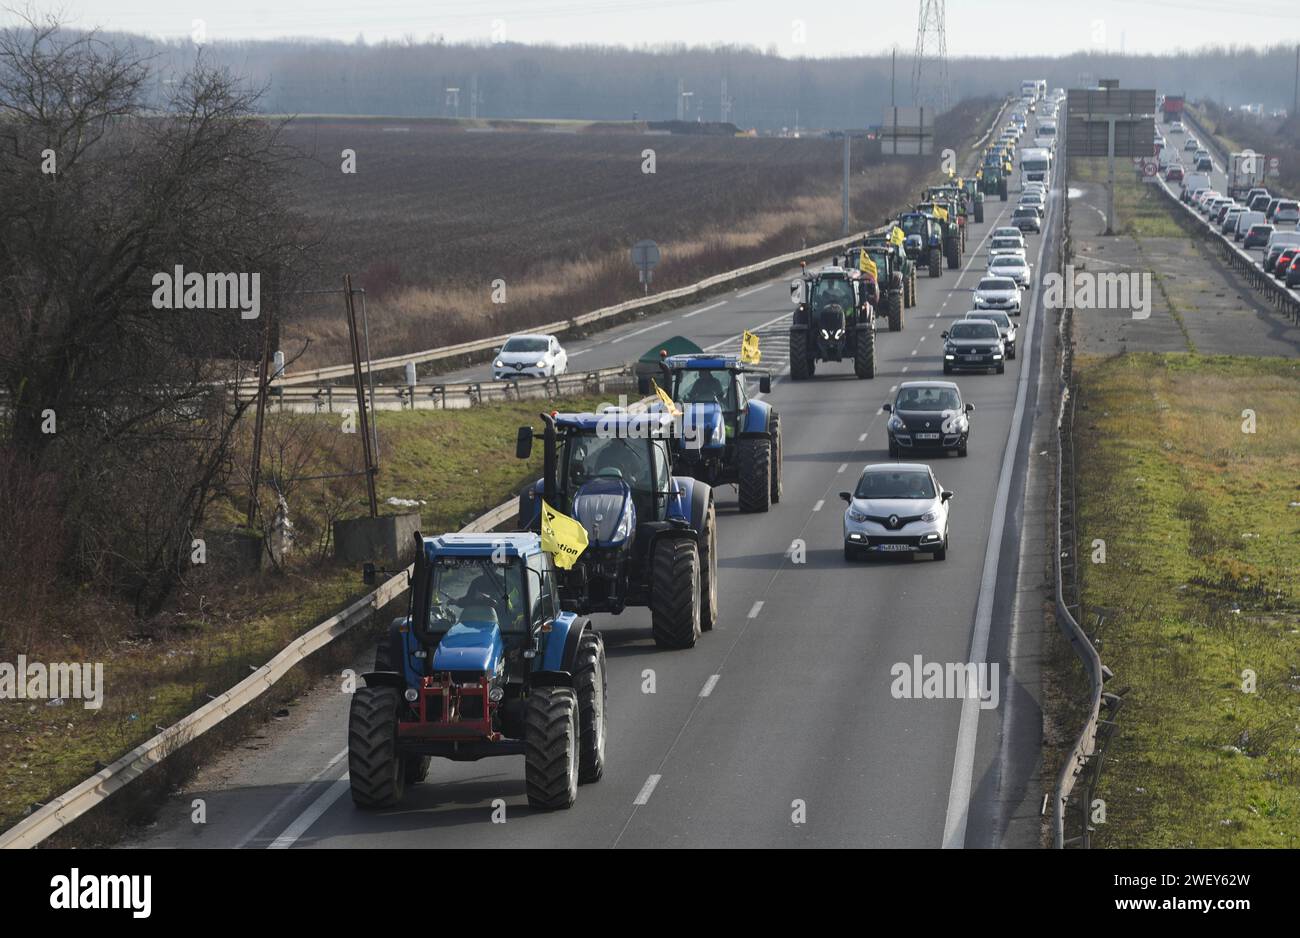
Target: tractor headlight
[
  {"x": 839, "y": 333},
  {"x": 496, "y": 694},
  {"x": 411, "y": 695},
  {"x": 825, "y": 334},
  {"x": 624, "y": 529}
]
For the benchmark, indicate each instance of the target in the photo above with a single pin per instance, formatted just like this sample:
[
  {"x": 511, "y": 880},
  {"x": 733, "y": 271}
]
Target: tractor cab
[{"x": 920, "y": 233}]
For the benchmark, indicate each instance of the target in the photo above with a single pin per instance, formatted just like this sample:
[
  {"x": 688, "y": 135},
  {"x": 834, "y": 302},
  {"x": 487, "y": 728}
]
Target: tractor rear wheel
[
  {"x": 953, "y": 250},
  {"x": 1002, "y": 188},
  {"x": 936, "y": 262},
  {"x": 754, "y": 466},
  {"x": 551, "y": 748},
  {"x": 592, "y": 687},
  {"x": 774, "y": 427},
  {"x": 709, "y": 569},
  {"x": 800, "y": 361},
  {"x": 864, "y": 352},
  {"x": 376, "y": 771},
  {"x": 675, "y": 593},
  {"x": 895, "y": 311},
  {"x": 979, "y": 213}
]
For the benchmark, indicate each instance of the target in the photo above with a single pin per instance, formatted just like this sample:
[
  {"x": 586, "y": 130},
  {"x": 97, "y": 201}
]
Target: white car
[
  {"x": 997, "y": 292},
  {"x": 897, "y": 508},
  {"x": 1005, "y": 326},
  {"x": 530, "y": 356},
  {"x": 1176, "y": 127},
  {"x": 1012, "y": 266},
  {"x": 1036, "y": 200},
  {"x": 1009, "y": 232},
  {"x": 999, "y": 246},
  {"x": 1191, "y": 144}
]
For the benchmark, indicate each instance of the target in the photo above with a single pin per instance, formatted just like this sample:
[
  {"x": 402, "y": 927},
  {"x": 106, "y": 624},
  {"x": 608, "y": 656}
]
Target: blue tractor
[
  {"x": 485, "y": 663},
  {"x": 923, "y": 240},
  {"x": 652, "y": 536},
  {"x": 728, "y": 437}
]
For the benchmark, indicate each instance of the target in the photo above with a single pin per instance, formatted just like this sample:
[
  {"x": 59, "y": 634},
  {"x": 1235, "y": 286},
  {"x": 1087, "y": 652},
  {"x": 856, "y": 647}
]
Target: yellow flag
[
  {"x": 867, "y": 265},
  {"x": 562, "y": 536},
  {"x": 896, "y": 236},
  {"x": 667, "y": 401},
  {"x": 940, "y": 213},
  {"x": 749, "y": 353}
]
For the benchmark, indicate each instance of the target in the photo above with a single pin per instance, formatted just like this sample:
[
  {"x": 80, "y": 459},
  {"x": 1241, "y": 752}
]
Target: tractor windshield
[
  {"x": 587, "y": 457},
  {"x": 478, "y": 589},
  {"x": 706, "y": 386},
  {"x": 915, "y": 225},
  {"x": 830, "y": 291}
]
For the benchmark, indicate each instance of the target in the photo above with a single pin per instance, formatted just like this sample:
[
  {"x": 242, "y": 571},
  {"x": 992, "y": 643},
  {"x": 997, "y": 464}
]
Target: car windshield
[
  {"x": 1002, "y": 320},
  {"x": 999, "y": 243},
  {"x": 895, "y": 483},
  {"x": 970, "y": 329},
  {"x": 525, "y": 344},
  {"x": 1024, "y": 212},
  {"x": 927, "y": 399},
  {"x": 478, "y": 589},
  {"x": 1007, "y": 260},
  {"x": 591, "y": 456},
  {"x": 1012, "y": 233},
  {"x": 832, "y": 290},
  {"x": 706, "y": 386},
  {"x": 997, "y": 283}
]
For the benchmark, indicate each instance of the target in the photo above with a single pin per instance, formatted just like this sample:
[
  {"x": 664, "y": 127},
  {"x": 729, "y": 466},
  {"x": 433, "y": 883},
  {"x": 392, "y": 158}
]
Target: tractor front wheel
[
  {"x": 801, "y": 366},
  {"x": 551, "y": 748},
  {"x": 864, "y": 352},
  {"x": 979, "y": 213},
  {"x": 953, "y": 250},
  {"x": 591, "y": 685},
  {"x": 709, "y": 569},
  {"x": 936, "y": 262},
  {"x": 1002, "y": 189},
  {"x": 376, "y": 771},
  {"x": 754, "y": 458},
  {"x": 895, "y": 311},
  {"x": 675, "y": 593},
  {"x": 775, "y": 428}
]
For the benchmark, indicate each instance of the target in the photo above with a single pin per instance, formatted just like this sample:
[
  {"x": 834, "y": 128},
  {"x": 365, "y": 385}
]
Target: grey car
[
  {"x": 897, "y": 508},
  {"x": 998, "y": 292},
  {"x": 1005, "y": 325},
  {"x": 972, "y": 345}
]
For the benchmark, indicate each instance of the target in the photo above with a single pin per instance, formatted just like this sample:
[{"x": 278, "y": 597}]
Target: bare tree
[{"x": 102, "y": 191}]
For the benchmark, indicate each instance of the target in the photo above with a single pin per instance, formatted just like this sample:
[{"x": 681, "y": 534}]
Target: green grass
[
  {"x": 1201, "y": 524},
  {"x": 461, "y": 462},
  {"x": 1140, "y": 211}
]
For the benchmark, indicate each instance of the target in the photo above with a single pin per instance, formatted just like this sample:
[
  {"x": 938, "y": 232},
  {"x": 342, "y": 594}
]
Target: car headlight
[
  {"x": 930, "y": 515},
  {"x": 895, "y": 422},
  {"x": 498, "y": 364},
  {"x": 540, "y": 364},
  {"x": 997, "y": 354},
  {"x": 856, "y": 516}
]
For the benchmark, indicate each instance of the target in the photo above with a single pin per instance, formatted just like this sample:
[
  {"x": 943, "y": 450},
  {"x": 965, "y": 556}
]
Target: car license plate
[
  {"x": 927, "y": 436},
  {"x": 970, "y": 358},
  {"x": 894, "y": 547}
]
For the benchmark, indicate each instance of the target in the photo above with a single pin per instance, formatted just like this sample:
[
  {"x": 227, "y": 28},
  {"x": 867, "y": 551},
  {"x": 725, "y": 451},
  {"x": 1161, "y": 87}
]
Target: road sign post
[{"x": 645, "y": 256}]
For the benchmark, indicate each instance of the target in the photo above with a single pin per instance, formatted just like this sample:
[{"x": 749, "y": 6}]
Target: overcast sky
[{"x": 807, "y": 27}]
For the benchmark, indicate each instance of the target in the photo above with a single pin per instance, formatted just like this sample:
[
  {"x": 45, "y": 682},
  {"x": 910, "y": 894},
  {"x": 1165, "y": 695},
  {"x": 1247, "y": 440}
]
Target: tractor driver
[
  {"x": 501, "y": 593},
  {"x": 706, "y": 389}
]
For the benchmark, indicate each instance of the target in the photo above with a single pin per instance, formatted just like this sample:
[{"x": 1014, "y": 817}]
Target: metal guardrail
[
  {"x": 72, "y": 804},
  {"x": 451, "y": 396}
]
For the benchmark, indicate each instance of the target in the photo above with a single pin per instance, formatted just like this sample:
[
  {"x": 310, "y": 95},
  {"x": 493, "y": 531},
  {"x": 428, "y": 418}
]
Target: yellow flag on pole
[
  {"x": 940, "y": 213},
  {"x": 562, "y": 536},
  {"x": 749, "y": 353},
  {"x": 867, "y": 265},
  {"x": 897, "y": 236},
  {"x": 664, "y": 399}
]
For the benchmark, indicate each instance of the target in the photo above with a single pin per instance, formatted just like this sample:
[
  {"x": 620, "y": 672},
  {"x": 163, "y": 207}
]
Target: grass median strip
[{"x": 1189, "y": 472}]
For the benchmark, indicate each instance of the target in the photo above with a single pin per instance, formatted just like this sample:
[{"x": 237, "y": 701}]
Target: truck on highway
[
  {"x": 1035, "y": 165},
  {"x": 1245, "y": 172},
  {"x": 1034, "y": 89},
  {"x": 1171, "y": 108}
]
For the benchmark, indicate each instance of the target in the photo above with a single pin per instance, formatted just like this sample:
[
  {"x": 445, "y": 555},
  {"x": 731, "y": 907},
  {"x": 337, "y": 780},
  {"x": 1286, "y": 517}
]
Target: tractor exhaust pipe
[{"x": 549, "y": 469}]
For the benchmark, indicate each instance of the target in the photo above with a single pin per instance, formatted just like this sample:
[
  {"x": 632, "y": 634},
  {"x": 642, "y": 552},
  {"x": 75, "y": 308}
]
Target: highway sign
[{"x": 645, "y": 255}]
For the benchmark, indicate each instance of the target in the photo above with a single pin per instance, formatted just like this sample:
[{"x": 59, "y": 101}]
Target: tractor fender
[
  {"x": 550, "y": 679},
  {"x": 690, "y": 503},
  {"x": 561, "y": 648},
  {"x": 384, "y": 679},
  {"x": 758, "y": 417}
]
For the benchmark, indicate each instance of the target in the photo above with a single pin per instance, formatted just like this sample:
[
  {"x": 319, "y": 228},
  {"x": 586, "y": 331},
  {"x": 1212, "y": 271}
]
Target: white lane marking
[
  {"x": 740, "y": 335},
  {"x": 581, "y": 351},
  {"x": 753, "y": 613},
  {"x": 963, "y": 763},
  {"x": 289, "y": 799},
  {"x": 643, "y": 796},
  {"x": 705, "y": 309},
  {"x": 711, "y": 683},
  {"x": 640, "y": 331},
  {"x": 864, "y": 436},
  {"x": 905, "y": 367},
  {"x": 818, "y": 506},
  {"x": 931, "y": 326},
  {"x": 913, "y": 351},
  {"x": 752, "y": 290},
  {"x": 311, "y": 815},
  {"x": 842, "y": 467}
]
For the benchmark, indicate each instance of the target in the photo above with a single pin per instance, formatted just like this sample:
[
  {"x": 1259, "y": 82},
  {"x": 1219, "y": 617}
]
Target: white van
[
  {"x": 1194, "y": 181},
  {"x": 1244, "y": 222}
]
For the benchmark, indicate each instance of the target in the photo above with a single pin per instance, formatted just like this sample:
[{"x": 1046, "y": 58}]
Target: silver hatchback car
[{"x": 897, "y": 508}]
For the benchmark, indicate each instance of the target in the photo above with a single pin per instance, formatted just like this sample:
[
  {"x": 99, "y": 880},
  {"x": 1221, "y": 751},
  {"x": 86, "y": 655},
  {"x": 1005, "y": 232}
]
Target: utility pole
[
  {"x": 893, "y": 69},
  {"x": 1295, "y": 95},
  {"x": 845, "y": 226}
]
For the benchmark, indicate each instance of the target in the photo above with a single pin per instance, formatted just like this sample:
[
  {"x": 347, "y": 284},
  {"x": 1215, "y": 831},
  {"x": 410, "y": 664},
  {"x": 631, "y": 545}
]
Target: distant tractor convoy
[{"x": 495, "y": 655}]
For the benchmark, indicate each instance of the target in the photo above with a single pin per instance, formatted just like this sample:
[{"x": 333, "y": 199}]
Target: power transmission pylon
[{"x": 930, "y": 67}]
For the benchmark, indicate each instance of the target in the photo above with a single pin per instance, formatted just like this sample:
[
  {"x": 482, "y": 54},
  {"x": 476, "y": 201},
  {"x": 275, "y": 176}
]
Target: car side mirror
[
  {"x": 524, "y": 443},
  {"x": 946, "y": 496},
  {"x": 847, "y": 496},
  {"x": 497, "y": 350},
  {"x": 943, "y": 335},
  {"x": 765, "y": 384},
  {"x": 970, "y": 408},
  {"x": 887, "y": 408}
]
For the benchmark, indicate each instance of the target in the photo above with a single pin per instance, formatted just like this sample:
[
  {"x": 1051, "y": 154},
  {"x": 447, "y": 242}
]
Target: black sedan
[
  {"x": 928, "y": 415},
  {"x": 973, "y": 345}
]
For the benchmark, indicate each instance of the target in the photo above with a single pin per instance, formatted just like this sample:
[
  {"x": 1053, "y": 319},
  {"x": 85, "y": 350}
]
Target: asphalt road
[{"x": 779, "y": 728}]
